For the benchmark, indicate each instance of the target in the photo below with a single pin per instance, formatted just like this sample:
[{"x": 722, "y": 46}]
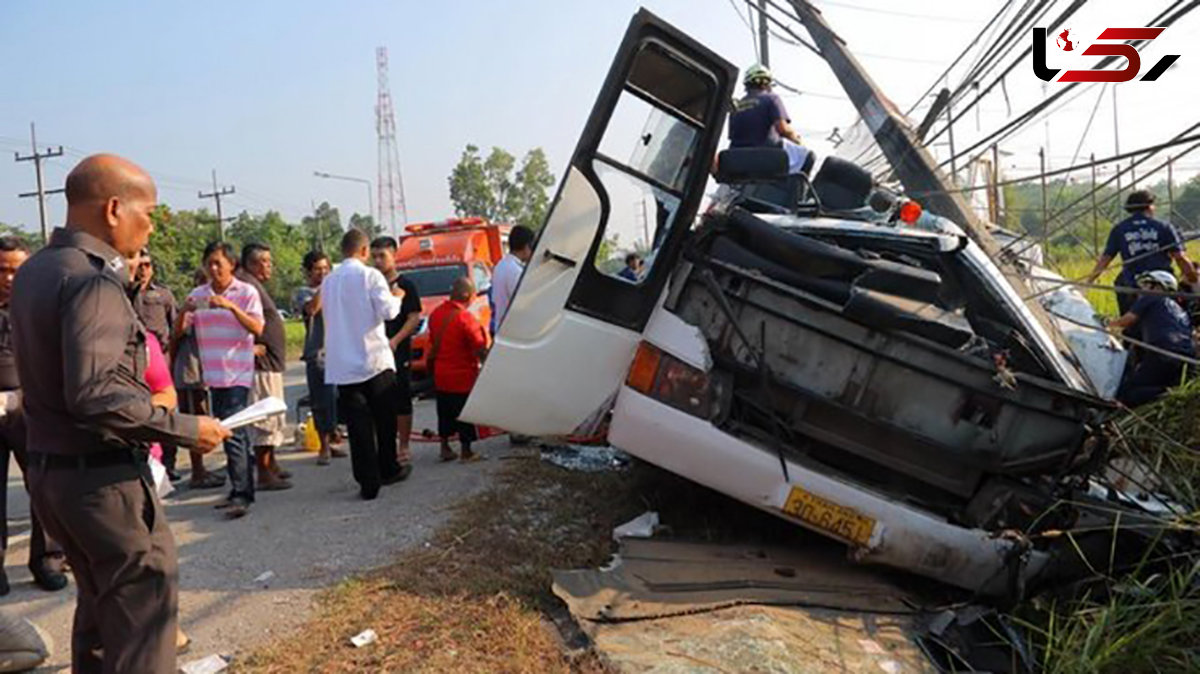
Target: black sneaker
[
  {"x": 5, "y": 588},
  {"x": 368, "y": 494},
  {"x": 400, "y": 475}
]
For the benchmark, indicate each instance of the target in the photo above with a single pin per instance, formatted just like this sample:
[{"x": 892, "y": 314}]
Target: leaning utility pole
[
  {"x": 764, "y": 55},
  {"x": 41, "y": 192},
  {"x": 216, "y": 194},
  {"x": 912, "y": 163}
]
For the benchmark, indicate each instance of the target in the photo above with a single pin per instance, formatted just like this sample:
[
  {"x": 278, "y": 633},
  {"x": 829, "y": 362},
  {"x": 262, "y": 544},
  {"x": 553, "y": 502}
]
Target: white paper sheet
[{"x": 267, "y": 407}]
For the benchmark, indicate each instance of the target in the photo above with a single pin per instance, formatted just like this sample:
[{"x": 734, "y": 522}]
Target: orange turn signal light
[
  {"x": 909, "y": 212},
  {"x": 644, "y": 368}
]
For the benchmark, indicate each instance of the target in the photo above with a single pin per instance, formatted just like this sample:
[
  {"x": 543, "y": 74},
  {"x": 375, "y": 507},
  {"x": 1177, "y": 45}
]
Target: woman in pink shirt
[
  {"x": 227, "y": 315},
  {"x": 158, "y": 378}
]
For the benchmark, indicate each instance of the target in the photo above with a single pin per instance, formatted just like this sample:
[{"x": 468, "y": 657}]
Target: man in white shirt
[
  {"x": 358, "y": 359},
  {"x": 508, "y": 272}
]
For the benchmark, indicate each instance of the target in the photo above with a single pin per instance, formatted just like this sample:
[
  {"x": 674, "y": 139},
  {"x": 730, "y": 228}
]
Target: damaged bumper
[{"x": 901, "y": 536}]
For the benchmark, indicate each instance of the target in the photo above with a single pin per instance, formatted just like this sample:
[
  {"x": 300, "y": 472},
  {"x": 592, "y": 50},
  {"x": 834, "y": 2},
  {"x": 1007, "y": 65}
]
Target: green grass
[
  {"x": 294, "y": 330},
  {"x": 1075, "y": 266}
]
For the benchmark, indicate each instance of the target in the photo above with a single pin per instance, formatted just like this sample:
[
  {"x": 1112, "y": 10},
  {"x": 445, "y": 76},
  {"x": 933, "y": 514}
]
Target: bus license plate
[{"x": 837, "y": 520}]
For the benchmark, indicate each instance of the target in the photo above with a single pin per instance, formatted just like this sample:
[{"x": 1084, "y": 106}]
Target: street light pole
[{"x": 370, "y": 199}]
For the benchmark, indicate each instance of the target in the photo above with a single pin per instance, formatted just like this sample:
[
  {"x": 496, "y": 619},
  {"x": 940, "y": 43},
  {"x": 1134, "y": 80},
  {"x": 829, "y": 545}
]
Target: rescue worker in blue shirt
[
  {"x": 1144, "y": 244},
  {"x": 1162, "y": 323},
  {"x": 760, "y": 120}
]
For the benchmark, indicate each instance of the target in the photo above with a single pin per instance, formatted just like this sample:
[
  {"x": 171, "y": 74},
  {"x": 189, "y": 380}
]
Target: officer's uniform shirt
[
  {"x": 155, "y": 305},
  {"x": 81, "y": 353}
]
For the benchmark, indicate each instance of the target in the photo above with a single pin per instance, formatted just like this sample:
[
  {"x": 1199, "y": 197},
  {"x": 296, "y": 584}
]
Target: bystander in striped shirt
[{"x": 226, "y": 346}]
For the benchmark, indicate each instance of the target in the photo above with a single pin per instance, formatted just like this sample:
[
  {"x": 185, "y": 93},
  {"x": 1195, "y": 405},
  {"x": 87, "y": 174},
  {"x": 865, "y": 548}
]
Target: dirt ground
[{"x": 248, "y": 581}]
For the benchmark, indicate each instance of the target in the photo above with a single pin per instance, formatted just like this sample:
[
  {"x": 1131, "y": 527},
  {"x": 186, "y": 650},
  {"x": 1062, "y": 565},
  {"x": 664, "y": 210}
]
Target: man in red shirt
[{"x": 458, "y": 343}]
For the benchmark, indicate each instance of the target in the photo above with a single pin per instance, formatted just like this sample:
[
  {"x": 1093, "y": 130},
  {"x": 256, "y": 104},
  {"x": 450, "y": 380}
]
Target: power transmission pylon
[
  {"x": 41, "y": 192},
  {"x": 217, "y": 194},
  {"x": 390, "y": 182}
]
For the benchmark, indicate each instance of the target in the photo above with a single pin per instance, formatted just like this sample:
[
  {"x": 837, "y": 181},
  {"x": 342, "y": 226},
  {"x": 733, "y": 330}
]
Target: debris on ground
[
  {"x": 209, "y": 665},
  {"x": 642, "y": 526},
  {"x": 264, "y": 578},
  {"x": 667, "y": 605},
  {"x": 585, "y": 458},
  {"x": 22, "y": 645},
  {"x": 364, "y": 638}
]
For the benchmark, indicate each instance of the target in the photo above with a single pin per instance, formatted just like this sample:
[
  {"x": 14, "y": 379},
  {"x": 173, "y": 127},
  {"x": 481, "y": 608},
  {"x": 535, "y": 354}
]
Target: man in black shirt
[
  {"x": 400, "y": 331},
  {"x": 270, "y": 360},
  {"x": 45, "y": 556}
]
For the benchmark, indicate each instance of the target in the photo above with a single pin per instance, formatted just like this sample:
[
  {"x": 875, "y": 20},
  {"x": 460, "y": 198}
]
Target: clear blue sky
[{"x": 267, "y": 91}]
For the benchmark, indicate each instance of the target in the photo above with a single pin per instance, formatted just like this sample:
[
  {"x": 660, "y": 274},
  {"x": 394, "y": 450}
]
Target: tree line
[
  {"x": 495, "y": 188},
  {"x": 1072, "y": 229}
]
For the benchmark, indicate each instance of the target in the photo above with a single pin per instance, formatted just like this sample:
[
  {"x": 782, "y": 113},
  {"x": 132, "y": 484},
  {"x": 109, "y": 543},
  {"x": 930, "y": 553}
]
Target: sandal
[
  {"x": 323, "y": 460},
  {"x": 446, "y": 457}
]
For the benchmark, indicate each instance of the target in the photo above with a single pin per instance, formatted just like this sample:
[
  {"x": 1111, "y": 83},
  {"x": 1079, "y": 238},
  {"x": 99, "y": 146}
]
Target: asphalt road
[{"x": 305, "y": 539}]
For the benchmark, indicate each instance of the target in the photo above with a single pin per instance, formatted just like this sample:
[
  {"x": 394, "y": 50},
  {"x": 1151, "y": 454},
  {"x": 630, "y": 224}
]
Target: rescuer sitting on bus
[
  {"x": 1164, "y": 325},
  {"x": 760, "y": 120}
]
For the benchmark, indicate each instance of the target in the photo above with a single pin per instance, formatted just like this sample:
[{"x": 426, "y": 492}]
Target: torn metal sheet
[
  {"x": 667, "y": 606},
  {"x": 655, "y": 578}
]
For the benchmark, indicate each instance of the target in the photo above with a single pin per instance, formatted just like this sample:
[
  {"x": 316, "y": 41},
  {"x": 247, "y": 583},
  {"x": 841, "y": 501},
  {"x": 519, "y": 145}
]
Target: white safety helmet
[
  {"x": 757, "y": 75},
  {"x": 1158, "y": 277}
]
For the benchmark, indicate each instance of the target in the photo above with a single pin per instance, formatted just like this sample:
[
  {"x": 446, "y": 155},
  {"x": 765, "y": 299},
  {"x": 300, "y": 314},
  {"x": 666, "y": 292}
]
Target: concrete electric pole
[
  {"x": 764, "y": 55},
  {"x": 41, "y": 192},
  {"x": 216, "y": 194}
]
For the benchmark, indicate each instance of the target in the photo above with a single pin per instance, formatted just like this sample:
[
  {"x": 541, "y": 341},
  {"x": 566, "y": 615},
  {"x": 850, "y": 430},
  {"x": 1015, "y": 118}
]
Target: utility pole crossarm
[
  {"x": 216, "y": 195},
  {"x": 41, "y": 192}
]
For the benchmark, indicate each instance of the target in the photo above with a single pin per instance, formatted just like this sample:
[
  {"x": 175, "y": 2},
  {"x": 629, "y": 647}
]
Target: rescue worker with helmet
[
  {"x": 1162, "y": 323},
  {"x": 759, "y": 119},
  {"x": 1144, "y": 244}
]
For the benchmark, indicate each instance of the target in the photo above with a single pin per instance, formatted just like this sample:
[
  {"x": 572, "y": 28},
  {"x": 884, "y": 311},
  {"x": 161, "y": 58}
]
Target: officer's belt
[{"x": 104, "y": 459}]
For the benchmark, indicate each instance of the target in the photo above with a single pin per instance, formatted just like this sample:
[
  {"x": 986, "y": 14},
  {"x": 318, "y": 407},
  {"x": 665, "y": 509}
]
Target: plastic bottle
[{"x": 312, "y": 441}]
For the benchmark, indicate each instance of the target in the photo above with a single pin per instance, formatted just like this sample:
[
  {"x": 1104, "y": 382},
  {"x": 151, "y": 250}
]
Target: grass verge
[
  {"x": 473, "y": 600},
  {"x": 477, "y": 598}
]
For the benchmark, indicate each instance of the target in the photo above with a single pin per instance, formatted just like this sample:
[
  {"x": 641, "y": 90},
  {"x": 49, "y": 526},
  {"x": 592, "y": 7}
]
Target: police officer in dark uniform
[
  {"x": 82, "y": 357},
  {"x": 45, "y": 556},
  {"x": 153, "y": 302},
  {"x": 1144, "y": 244},
  {"x": 155, "y": 306}
]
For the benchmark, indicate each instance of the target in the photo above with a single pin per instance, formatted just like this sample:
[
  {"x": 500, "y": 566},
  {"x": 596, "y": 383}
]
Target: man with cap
[
  {"x": 760, "y": 120},
  {"x": 1166, "y": 327},
  {"x": 1144, "y": 244},
  {"x": 81, "y": 358}
]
